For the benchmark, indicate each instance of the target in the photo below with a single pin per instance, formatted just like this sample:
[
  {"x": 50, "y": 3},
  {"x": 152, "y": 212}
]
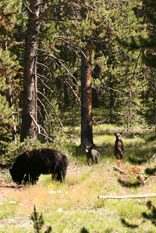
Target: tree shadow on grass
[
  {"x": 128, "y": 184},
  {"x": 146, "y": 216},
  {"x": 150, "y": 171},
  {"x": 141, "y": 155},
  {"x": 84, "y": 230},
  {"x": 129, "y": 225},
  {"x": 152, "y": 215},
  {"x": 137, "y": 161}
]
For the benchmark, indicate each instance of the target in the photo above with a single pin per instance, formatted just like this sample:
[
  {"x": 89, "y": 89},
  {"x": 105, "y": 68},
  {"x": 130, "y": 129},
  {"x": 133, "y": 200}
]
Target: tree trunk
[
  {"x": 29, "y": 114},
  {"x": 86, "y": 97}
]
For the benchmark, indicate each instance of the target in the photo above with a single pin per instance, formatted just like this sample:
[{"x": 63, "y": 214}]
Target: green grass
[{"x": 75, "y": 205}]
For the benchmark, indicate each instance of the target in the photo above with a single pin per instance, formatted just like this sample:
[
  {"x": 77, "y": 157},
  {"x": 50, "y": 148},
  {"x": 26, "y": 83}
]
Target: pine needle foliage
[{"x": 39, "y": 222}]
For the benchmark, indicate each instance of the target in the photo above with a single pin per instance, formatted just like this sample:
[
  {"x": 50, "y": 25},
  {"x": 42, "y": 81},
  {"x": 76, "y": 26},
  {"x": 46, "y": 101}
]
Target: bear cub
[
  {"x": 118, "y": 148},
  {"x": 92, "y": 154}
]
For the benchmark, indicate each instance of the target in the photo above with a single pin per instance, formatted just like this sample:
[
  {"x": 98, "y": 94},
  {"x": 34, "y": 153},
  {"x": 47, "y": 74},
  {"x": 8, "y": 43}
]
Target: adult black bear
[
  {"x": 118, "y": 148},
  {"x": 92, "y": 154},
  {"x": 29, "y": 165}
]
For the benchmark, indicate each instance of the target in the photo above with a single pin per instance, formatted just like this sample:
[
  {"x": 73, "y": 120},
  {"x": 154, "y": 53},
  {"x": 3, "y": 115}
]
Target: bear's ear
[{"x": 115, "y": 134}]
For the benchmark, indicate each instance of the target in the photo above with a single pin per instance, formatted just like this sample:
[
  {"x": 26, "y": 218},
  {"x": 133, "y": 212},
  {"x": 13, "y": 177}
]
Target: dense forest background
[{"x": 67, "y": 63}]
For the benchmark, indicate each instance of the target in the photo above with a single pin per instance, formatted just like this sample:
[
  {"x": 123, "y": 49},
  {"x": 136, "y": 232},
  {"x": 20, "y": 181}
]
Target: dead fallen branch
[
  {"x": 128, "y": 196},
  {"x": 118, "y": 169}
]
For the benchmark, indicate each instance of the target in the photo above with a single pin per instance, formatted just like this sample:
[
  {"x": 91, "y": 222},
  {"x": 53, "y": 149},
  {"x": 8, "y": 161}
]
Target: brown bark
[
  {"x": 86, "y": 97},
  {"x": 29, "y": 114}
]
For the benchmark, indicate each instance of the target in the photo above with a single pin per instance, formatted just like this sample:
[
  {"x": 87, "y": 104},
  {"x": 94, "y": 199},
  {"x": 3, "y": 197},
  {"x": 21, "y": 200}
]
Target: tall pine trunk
[
  {"x": 86, "y": 97},
  {"x": 29, "y": 114}
]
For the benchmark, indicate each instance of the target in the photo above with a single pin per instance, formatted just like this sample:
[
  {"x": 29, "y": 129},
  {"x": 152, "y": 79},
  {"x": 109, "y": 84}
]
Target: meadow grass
[{"x": 75, "y": 205}]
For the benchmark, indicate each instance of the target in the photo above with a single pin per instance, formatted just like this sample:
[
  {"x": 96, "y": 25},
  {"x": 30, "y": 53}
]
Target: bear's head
[{"x": 16, "y": 176}]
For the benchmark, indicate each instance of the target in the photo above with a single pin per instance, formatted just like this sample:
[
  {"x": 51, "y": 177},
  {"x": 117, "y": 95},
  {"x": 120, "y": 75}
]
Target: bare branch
[
  {"x": 128, "y": 196},
  {"x": 47, "y": 137},
  {"x": 46, "y": 85},
  {"x": 97, "y": 124},
  {"x": 68, "y": 71},
  {"x": 41, "y": 64},
  {"x": 59, "y": 121},
  {"x": 118, "y": 169},
  {"x": 44, "y": 108},
  {"x": 28, "y": 9},
  {"x": 40, "y": 127},
  {"x": 42, "y": 76},
  {"x": 49, "y": 117}
]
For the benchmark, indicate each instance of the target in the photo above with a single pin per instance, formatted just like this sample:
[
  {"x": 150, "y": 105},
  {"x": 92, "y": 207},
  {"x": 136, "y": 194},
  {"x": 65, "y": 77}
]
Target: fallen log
[
  {"x": 128, "y": 196},
  {"x": 118, "y": 169}
]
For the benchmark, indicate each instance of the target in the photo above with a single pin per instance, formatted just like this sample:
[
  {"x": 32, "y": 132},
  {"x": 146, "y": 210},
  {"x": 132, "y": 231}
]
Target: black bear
[
  {"x": 92, "y": 154},
  {"x": 118, "y": 148},
  {"x": 29, "y": 165}
]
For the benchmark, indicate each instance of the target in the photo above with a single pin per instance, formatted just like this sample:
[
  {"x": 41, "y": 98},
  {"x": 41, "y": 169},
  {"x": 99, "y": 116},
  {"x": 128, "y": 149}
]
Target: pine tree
[
  {"x": 9, "y": 67},
  {"x": 135, "y": 83},
  {"x": 149, "y": 44},
  {"x": 146, "y": 43}
]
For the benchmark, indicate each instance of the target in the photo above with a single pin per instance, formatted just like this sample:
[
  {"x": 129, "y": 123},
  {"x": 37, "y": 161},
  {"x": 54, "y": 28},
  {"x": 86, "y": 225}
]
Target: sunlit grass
[
  {"x": 71, "y": 206},
  {"x": 130, "y": 209}
]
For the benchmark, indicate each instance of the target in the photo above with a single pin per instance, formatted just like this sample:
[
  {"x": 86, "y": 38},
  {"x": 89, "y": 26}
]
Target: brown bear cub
[
  {"x": 118, "y": 148},
  {"x": 92, "y": 154}
]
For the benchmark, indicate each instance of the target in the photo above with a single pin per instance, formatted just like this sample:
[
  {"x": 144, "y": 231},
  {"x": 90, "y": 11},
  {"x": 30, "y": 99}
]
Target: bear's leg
[
  {"x": 63, "y": 174},
  {"x": 59, "y": 176},
  {"x": 26, "y": 178},
  {"x": 121, "y": 155},
  {"x": 54, "y": 175},
  {"x": 34, "y": 178}
]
